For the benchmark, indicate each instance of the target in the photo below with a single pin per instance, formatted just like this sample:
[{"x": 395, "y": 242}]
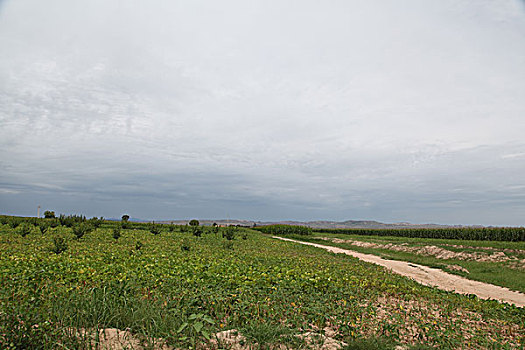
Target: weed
[{"x": 197, "y": 325}]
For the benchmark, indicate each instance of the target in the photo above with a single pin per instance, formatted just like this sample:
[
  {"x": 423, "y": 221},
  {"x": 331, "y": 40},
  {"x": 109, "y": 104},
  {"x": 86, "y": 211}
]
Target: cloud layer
[{"x": 264, "y": 109}]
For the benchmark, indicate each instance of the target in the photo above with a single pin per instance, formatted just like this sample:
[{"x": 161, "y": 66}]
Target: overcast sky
[{"x": 387, "y": 110}]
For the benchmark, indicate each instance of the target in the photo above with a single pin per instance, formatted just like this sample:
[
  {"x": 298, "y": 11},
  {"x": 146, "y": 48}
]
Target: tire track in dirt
[{"x": 431, "y": 277}]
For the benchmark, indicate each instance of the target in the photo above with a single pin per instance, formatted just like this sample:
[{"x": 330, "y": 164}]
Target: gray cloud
[{"x": 265, "y": 110}]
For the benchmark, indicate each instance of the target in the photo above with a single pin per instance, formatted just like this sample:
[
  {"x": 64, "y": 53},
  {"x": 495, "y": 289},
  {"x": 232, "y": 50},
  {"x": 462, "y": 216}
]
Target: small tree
[
  {"x": 44, "y": 226},
  {"x": 155, "y": 229},
  {"x": 196, "y": 231},
  {"x": 48, "y": 214},
  {"x": 80, "y": 230},
  {"x": 125, "y": 217},
  {"x": 229, "y": 233},
  {"x": 194, "y": 222},
  {"x": 59, "y": 245},
  {"x": 116, "y": 233}
]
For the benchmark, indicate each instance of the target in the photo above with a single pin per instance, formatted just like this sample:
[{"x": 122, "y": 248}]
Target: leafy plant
[
  {"x": 197, "y": 325},
  {"x": 138, "y": 245},
  {"x": 194, "y": 222}
]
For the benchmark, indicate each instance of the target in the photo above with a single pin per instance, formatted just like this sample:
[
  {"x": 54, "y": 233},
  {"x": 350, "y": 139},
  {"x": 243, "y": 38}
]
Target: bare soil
[
  {"x": 440, "y": 253},
  {"x": 432, "y": 277}
]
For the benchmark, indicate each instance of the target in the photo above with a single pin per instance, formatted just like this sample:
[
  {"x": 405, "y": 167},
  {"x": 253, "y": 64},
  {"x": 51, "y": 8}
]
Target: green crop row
[
  {"x": 511, "y": 234},
  {"x": 284, "y": 230}
]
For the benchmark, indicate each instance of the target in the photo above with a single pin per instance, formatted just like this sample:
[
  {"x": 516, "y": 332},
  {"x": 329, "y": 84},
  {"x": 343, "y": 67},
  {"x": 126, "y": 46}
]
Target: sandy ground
[
  {"x": 440, "y": 253},
  {"x": 432, "y": 277}
]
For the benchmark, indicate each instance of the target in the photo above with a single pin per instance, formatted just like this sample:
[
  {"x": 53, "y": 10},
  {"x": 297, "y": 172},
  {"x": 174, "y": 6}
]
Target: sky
[{"x": 396, "y": 111}]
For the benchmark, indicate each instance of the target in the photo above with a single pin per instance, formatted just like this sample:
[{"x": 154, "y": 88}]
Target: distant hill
[{"x": 313, "y": 224}]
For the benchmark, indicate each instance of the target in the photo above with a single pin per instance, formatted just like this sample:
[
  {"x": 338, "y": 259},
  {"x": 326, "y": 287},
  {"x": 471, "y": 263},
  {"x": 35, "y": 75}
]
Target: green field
[
  {"x": 510, "y": 272},
  {"x": 183, "y": 289}
]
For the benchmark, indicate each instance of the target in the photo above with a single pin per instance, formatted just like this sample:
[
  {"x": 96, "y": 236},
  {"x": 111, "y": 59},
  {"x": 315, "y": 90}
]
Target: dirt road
[{"x": 432, "y": 277}]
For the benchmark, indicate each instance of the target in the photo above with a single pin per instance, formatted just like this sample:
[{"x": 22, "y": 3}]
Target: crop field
[
  {"x": 497, "y": 262},
  {"x": 178, "y": 287}
]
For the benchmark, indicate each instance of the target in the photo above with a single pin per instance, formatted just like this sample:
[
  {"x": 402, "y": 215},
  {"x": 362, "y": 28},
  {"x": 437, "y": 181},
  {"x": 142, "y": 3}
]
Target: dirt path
[{"x": 432, "y": 277}]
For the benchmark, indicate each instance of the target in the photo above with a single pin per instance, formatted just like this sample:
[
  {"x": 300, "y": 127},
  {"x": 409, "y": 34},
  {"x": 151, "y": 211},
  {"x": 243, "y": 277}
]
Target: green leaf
[
  {"x": 184, "y": 325},
  {"x": 206, "y": 335},
  {"x": 198, "y": 326},
  {"x": 208, "y": 319},
  {"x": 192, "y": 317}
]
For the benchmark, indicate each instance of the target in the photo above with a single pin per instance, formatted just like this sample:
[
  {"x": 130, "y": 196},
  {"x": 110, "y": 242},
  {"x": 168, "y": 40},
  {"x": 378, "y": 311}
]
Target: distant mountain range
[{"x": 312, "y": 224}]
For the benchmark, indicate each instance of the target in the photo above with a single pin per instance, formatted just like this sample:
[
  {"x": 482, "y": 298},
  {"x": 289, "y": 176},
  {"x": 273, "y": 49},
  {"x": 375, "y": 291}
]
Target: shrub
[
  {"x": 81, "y": 229},
  {"x": 125, "y": 217},
  {"x": 96, "y": 222},
  {"x": 59, "y": 245},
  {"x": 229, "y": 233},
  {"x": 138, "y": 245},
  {"x": 44, "y": 226},
  {"x": 155, "y": 229},
  {"x": 71, "y": 220},
  {"x": 13, "y": 223},
  {"x": 196, "y": 231},
  {"x": 171, "y": 227},
  {"x": 194, "y": 222}
]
